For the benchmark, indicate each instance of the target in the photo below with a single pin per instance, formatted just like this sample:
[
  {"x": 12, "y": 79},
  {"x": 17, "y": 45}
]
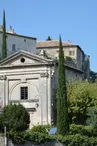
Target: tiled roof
[{"x": 52, "y": 43}]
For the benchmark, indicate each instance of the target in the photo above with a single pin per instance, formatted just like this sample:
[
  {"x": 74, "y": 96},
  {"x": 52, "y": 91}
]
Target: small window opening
[{"x": 22, "y": 60}]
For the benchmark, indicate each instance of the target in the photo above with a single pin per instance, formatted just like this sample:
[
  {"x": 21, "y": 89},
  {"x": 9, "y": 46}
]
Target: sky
[{"x": 75, "y": 20}]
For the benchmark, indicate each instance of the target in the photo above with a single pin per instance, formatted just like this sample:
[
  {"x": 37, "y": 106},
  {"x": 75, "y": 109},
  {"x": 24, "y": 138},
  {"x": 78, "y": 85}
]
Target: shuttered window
[{"x": 24, "y": 92}]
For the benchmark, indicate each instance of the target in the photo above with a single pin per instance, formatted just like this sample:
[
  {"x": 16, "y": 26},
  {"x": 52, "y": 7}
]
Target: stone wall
[
  {"x": 53, "y": 143},
  {"x": 29, "y": 143},
  {"x": 1, "y": 141}
]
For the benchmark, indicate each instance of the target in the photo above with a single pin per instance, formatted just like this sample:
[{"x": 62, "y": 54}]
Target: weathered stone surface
[
  {"x": 1, "y": 141},
  {"x": 53, "y": 143}
]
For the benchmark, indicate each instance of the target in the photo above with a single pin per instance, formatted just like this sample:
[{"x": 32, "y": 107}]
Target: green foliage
[
  {"x": 68, "y": 58},
  {"x": 34, "y": 137},
  {"x": 40, "y": 129},
  {"x": 62, "y": 107},
  {"x": 1, "y": 123},
  {"x": 17, "y": 137},
  {"x": 92, "y": 116},
  {"x": 4, "y": 48},
  {"x": 83, "y": 130},
  {"x": 93, "y": 76},
  {"x": 15, "y": 117},
  {"x": 38, "y": 138},
  {"x": 81, "y": 96},
  {"x": 49, "y": 38},
  {"x": 78, "y": 140}
]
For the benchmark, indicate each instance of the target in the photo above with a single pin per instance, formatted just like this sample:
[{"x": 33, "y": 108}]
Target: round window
[{"x": 22, "y": 60}]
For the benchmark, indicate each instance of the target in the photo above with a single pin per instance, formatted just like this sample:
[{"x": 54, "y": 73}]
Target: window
[
  {"x": 22, "y": 60},
  {"x": 24, "y": 92},
  {"x": 24, "y": 40},
  {"x": 13, "y": 47},
  {"x": 71, "y": 53}
]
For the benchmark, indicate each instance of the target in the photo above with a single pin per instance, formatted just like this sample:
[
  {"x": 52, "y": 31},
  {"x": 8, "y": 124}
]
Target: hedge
[
  {"x": 38, "y": 138},
  {"x": 78, "y": 135},
  {"x": 78, "y": 140},
  {"x": 35, "y": 137},
  {"x": 83, "y": 130},
  {"x": 40, "y": 129}
]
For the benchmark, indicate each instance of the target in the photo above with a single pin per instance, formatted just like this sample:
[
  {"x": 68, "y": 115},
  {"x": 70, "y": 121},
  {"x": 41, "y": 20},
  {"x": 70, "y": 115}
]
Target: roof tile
[{"x": 52, "y": 43}]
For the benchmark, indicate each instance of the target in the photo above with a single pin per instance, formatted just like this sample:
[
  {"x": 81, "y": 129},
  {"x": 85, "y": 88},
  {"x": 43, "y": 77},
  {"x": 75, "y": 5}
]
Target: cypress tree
[
  {"x": 49, "y": 38},
  {"x": 4, "y": 49},
  {"x": 62, "y": 107}
]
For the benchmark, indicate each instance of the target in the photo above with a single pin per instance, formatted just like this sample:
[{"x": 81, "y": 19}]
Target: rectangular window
[
  {"x": 13, "y": 47},
  {"x": 24, "y": 92},
  {"x": 71, "y": 53}
]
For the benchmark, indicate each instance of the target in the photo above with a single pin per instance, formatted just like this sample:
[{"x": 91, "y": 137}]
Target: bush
[
  {"x": 78, "y": 135},
  {"x": 78, "y": 140},
  {"x": 34, "y": 137},
  {"x": 83, "y": 130},
  {"x": 40, "y": 129},
  {"x": 15, "y": 117},
  {"x": 38, "y": 138},
  {"x": 92, "y": 116},
  {"x": 16, "y": 137},
  {"x": 68, "y": 58}
]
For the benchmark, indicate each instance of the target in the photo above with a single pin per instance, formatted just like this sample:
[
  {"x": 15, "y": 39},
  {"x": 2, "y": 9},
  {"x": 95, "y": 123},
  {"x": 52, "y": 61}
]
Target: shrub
[
  {"x": 15, "y": 117},
  {"x": 75, "y": 129},
  {"x": 83, "y": 130},
  {"x": 40, "y": 129},
  {"x": 38, "y": 138},
  {"x": 68, "y": 58},
  {"x": 34, "y": 137},
  {"x": 78, "y": 140},
  {"x": 16, "y": 137},
  {"x": 92, "y": 116}
]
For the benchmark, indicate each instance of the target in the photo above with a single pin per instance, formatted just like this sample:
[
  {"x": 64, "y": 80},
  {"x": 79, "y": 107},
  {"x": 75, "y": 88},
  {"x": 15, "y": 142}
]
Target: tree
[
  {"x": 92, "y": 116},
  {"x": 1, "y": 123},
  {"x": 62, "y": 107},
  {"x": 49, "y": 38},
  {"x": 81, "y": 96},
  {"x": 15, "y": 117},
  {"x": 4, "y": 49},
  {"x": 93, "y": 76}
]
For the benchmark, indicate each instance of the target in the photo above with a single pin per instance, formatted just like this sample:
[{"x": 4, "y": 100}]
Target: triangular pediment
[{"x": 23, "y": 58}]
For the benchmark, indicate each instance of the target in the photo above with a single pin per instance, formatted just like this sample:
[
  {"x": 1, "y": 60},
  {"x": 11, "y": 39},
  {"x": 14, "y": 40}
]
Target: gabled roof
[{"x": 26, "y": 54}]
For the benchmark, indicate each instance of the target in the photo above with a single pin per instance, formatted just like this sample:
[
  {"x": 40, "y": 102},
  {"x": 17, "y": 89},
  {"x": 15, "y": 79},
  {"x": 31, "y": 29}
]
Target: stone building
[
  {"x": 31, "y": 79},
  {"x": 16, "y": 42},
  {"x": 25, "y": 78},
  {"x": 76, "y": 61}
]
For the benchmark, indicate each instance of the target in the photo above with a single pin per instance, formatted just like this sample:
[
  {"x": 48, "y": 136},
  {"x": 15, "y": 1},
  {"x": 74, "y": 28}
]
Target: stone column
[
  {"x": 44, "y": 97},
  {"x": 3, "y": 90}
]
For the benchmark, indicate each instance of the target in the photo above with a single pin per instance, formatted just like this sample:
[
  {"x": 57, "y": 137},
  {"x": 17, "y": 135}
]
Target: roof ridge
[{"x": 48, "y": 41}]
